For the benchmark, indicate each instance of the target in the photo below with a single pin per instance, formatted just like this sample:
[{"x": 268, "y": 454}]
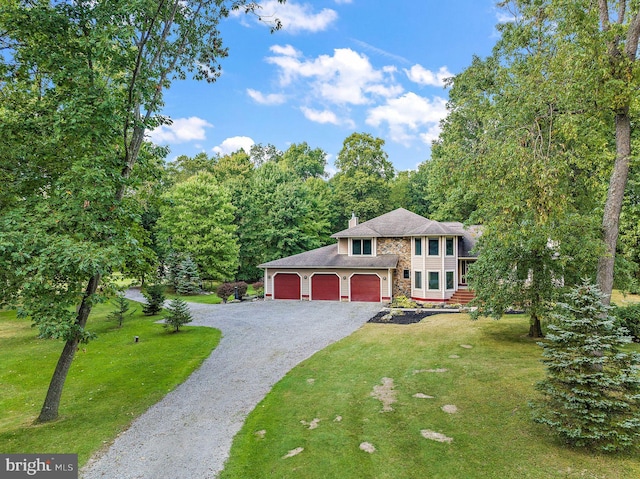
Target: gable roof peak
[{"x": 398, "y": 223}]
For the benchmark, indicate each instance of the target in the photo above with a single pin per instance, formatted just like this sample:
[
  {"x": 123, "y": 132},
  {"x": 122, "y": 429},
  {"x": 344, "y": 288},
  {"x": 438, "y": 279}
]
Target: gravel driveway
[{"x": 188, "y": 434}]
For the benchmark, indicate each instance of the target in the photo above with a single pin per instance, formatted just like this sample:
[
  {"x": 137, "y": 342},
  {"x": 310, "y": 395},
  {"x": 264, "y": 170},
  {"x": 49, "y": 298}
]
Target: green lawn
[
  {"x": 489, "y": 383},
  {"x": 112, "y": 380}
]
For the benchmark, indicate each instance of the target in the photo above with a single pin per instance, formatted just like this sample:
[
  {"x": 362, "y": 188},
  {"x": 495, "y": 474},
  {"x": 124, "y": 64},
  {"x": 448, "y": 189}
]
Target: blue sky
[{"x": 337, "y": 67}]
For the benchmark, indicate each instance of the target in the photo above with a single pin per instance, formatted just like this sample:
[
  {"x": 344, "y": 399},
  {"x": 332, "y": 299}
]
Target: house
[{"x": 398, "y": 253}]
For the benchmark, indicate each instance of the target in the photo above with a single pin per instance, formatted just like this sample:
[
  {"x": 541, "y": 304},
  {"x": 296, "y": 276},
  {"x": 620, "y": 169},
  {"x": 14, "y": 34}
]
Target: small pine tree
[
  {"x": 154, "y": 295},
  {"x": 173, "y": 267},
  {"x": 122, "y": 310},
  {"x": 188, "y": 281},
  {"x": 592, "y": 389},
  {"x": 179, "y": 314}
]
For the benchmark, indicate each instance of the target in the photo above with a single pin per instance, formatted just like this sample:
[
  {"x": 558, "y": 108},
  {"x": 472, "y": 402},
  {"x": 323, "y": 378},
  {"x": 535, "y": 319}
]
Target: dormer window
[{"x": 361, "y": 247}]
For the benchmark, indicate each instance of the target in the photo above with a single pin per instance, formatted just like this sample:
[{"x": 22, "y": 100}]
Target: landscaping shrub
[
  {"x": 227, "y": 289},
  {"x": 179, "y": 314},
  {"x": 154, "y": 295},
  {"x": 629, "y": 317},
  {"x": 258, "y": 287},
  {"x": 242, "y": 288},
  {"x": 592, "y": 389},
  {"x": 224, "y": 291},
  {"x": 403, "y": 302}
]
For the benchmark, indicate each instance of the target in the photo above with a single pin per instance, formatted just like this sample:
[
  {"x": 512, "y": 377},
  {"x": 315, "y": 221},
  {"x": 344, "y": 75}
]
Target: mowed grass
[
  {"x": 112, "y": 380},
  {"x": 490, "y": 384}
]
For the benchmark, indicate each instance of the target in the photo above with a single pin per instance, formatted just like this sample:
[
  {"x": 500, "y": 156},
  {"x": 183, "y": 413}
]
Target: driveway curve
[{"x": 188, "y": 434}]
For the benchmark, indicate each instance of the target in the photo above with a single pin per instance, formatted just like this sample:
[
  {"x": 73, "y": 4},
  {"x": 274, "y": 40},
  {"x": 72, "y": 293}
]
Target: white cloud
[
  {"x": 270, "y": 99},
  {"x": 233, "y": 144},
  {"x": 410, "y": 117},
  {"x": 345, "y": 78},
  {"x": 422, "y": 76},
  {"x": 342, "y": 2},
  {"x": 295, "y": 17},
  {"x": 181, "y": 130},
  {"x": 286, "y": 50},
  {"x": 326, "y": 116}
]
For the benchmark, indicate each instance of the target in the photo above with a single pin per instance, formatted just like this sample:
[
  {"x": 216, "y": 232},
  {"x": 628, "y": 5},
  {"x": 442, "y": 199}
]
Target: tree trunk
[
  {"x": 535, "y": 328},
  {"x": 613, "y": 205},
  {"x": 49, "y": 411}
]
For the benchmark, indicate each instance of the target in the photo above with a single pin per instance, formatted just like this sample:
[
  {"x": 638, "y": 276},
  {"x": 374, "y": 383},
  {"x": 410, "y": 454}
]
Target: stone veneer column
[{"x": 401, "y": 247}]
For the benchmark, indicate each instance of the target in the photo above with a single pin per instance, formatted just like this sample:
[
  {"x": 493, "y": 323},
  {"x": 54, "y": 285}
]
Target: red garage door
[
  {"x": 325, "y": 287},
  {"x": 365, "y": 287},
  {"x": 286, "y": 286}
]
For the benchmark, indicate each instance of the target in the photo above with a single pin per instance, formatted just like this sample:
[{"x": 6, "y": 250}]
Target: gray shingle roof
[
  {"x": 328, "y": 257},
  {"x": 399, "y": 223}
]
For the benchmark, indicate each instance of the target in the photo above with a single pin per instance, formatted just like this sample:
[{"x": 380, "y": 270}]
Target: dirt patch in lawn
[{"x": 385, "y": 394}]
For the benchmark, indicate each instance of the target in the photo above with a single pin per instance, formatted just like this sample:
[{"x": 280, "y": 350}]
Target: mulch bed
[{"x": 409, "y": 317}]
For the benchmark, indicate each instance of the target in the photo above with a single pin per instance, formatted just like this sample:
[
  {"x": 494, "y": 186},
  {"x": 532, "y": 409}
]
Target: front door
[{"x": 464, "y": 268}]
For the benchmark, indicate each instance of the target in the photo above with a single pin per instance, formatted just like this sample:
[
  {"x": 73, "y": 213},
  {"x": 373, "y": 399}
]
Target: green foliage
[
  {"x": 178, "y": 314},
  {"x": 198, "y": 219},
  {"x": 304, "y": 162},
  {"x": 403, "y": 302},
  {"x": 188, "y": 278},
  {"x": 281, "y": 215},
  {"x": 154, "y": 294},
  {"x": 258, "y": 287},
  {"x": 629, "y": 317},
  {"x": 362, "y": 183},
  {"x": 122, "y": 310},
  {"x": 592, "y": 389}
]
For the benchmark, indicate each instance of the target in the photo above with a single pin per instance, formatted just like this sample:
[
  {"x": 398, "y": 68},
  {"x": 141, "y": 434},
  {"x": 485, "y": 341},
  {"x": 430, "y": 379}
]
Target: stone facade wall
[{"x": 401, "y": 247}]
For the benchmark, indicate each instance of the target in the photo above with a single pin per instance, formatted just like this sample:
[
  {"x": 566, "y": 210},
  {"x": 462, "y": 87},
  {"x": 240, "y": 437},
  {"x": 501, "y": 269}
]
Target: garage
[
  {"x": 365, "y": 287},
  {"x": 286, "y": 286},
  {"x": 325, "y": 287}
]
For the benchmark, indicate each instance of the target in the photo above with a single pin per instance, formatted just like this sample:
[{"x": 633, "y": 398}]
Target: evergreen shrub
[{"x": 592, "y": 389}]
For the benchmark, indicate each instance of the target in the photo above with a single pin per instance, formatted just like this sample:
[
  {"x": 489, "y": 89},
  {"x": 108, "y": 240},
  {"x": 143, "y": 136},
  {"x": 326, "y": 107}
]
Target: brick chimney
[{"x": 353, "y": 221}]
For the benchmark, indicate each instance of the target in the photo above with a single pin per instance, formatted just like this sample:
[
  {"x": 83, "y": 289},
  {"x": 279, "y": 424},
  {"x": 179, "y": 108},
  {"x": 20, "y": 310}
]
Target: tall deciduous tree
[
  {"x": 80, "y": 83},
  {"x": 361, "y": 185},
  {"x": 528, "y": 162},
  {"x": 593, "y": 60},
  {"x": 197, "y": 218},
  {"x": 282, "y": 216}
]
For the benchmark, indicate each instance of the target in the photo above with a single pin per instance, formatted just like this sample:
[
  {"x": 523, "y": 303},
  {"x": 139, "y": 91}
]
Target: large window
[
  {"x": 418, "y": 246},
  {"x": 450, "y": 280},
  {"x": 361, "y": 247},
  {"x": 434, "y": 280},
  {"x": 449, "y": 247},
  {"x": 418, "y": 282},
  {"x": 434, "y": 247}
]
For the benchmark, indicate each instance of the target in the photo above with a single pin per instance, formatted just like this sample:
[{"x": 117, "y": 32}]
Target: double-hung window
[
  {"x": 417, "y": 246},
  {"x": 434, "y": 280},
  {"x": 418, "y": 280},
  {"x": 434, "y": 247},
  {"x": 450, "y": 277},
  {"x": 449, "y": 247},
  {"x": 361, "y": 247}
]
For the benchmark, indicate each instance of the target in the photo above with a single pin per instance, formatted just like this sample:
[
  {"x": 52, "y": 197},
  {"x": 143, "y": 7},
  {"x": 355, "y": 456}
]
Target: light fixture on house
[{"x": 305, "y": 276}]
